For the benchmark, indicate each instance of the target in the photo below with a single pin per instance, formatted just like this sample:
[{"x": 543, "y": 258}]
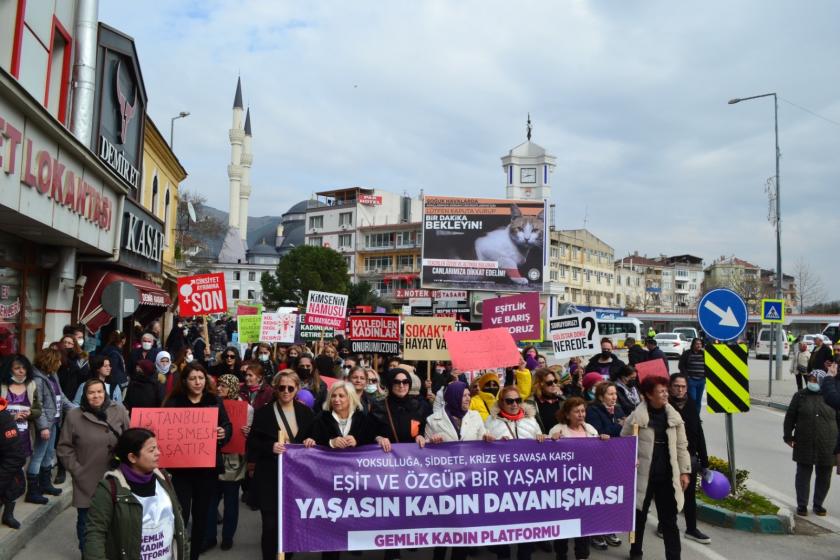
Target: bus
[{"x": 619, "y": 329}]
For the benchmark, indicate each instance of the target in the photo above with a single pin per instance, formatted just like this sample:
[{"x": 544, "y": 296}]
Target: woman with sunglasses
[
  {"x": 399, "y": 417},
  {"x": 548, "y": 397},
  {"x": 230, "y": 364},
  {"x": 293, "y": 419}
]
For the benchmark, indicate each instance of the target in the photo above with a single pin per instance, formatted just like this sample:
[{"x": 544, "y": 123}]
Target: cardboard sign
[
  {"x": 484, "y": 349},
  {"x": 237, "y": 412},
  {"x": 186, "y": 436},
  {"x": 202, "y": 294},
  {"x": 278, "y": 327},
  {"x": 247, "y": 308},
  {"x": 249, "y": 328},
  {"x": 574, "y": 335},
  {"x": 324, "y": 309},
  {"x": 374, "y": 334},
  {"x": 652, "y": 368},
  {"x": 520, "y": 314},
  {"x": 306, "y": 332},
  {"x": 423, "y": 337}
]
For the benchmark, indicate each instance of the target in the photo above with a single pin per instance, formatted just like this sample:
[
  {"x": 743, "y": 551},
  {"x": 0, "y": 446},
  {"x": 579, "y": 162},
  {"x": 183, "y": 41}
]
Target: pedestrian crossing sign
[{"x": 772, "y": 310}]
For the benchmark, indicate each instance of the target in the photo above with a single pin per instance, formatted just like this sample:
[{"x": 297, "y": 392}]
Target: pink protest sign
[{"x": 484, "y": 349}]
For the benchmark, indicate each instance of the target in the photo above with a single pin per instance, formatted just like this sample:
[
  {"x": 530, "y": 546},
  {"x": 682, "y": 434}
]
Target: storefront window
[
  {"x": 33, "y": 319},
  {"x": 10, "y": 302}
]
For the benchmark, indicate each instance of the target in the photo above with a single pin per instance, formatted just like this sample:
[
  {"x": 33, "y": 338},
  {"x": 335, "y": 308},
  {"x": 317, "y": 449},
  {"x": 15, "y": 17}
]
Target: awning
[
  {"x": 392, "y": 277},
  {"x": 91, "y": 313}
]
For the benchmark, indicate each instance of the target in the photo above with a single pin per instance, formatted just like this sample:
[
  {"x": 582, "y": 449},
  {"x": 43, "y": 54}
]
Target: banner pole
[
  {"x": 632, "y": 535},
  {"x": 281, "y": 438}
]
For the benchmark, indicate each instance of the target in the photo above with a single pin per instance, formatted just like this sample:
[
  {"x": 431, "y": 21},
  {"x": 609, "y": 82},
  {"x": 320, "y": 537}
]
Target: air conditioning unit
[{"x": 478, "y": 307}]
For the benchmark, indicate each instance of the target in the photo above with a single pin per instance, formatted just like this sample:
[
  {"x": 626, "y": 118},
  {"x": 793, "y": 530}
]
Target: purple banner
[
  {"x": 520, "y": 314},
  {"x": 455, "y": 494}
]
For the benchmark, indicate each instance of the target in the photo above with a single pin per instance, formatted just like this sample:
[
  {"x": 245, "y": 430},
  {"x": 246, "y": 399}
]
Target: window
[
  {"x": 378, "y": 240},
  {"x": 588, "y": 276},
  {"x": 345, "y": 240},
  {"x": 372, "y": 264},
  {"x": 553, "y": 276},
  {"x": 252, "y": 295},
  {"x": 405, "y": 262},
  {"x": 252, "y": 276},
  {"x": 316, "y": 241},
  {"x": 555, "y": 253},
  {"x": 58, "y": 72},
  {"x": 574, "y": 274},
  {"x": 609, "y": 279},
  {"x": 404, "y": 239},
  {"x": 316, "y": 222},
  {"x": 598, "y": 278},
  {"x": 348, "y": 262},
  {"x": 153, "y": 208},
  {"x": 235, "y": 294},
  {"x": 563, "y": 271},
  {"x": 166, "y": 206},
  {"x": 345, "y": 219},
  {"x": 236, "y": 275}
]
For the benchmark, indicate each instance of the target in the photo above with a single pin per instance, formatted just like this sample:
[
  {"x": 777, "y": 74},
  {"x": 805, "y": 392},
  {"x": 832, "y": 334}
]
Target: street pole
[
  {"x": 730, "y": 450},
  {"x": 180, "y": 115},
  {"x": 770, "y": 371}
]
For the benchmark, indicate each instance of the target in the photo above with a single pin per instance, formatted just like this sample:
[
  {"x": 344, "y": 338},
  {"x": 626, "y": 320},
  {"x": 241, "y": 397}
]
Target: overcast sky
[{"x": 630, "y": 97}]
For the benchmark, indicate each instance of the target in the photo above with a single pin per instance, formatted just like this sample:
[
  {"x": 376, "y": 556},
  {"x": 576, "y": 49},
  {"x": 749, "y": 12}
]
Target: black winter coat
[
  {"x": 694, "y": 433},
  {"x": 325, "y": 427},
  {"x": 11, "y": 451},
  {"x": 599, "y": 418},
  {"x": 143, "y": 392},
  {"x": 812, "y": 425},
  {"x": 636, "y": 354},
  {"x": 407, "y": 416},
  {"x": 615, "y": 365},
  {"x": 819, "y": 358}
]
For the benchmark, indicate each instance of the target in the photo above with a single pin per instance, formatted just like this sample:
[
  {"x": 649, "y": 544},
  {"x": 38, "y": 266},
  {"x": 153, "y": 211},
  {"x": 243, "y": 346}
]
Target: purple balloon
[
  {"x": 715, "y": 485},
  {"x": 306, "y": 397}
]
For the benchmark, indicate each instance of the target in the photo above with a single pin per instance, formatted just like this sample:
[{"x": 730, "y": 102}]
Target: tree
[
  {"x": 304, "y": 268},
  {"x": 830, "y": 307},
  {"x": 810, "y": 286},
  {"x": 362, "y": 294},
  {"x": 189, "y": 234}
]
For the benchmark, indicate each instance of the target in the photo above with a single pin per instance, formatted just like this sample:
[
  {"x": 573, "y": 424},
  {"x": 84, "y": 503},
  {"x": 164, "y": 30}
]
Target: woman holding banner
[
  {"x": 341, "y": 424},
  {"x": 664, "y": 465},
  {"x": 548, "y": 397},
  {"x": 285, "y": 420},
  {"x": 196, "y": 487}
]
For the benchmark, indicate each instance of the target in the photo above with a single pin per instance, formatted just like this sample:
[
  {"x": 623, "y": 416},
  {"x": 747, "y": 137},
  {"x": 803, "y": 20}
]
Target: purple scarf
[
  {"x": 133, "y": 476},
  {"x": 452, "y": 396}
]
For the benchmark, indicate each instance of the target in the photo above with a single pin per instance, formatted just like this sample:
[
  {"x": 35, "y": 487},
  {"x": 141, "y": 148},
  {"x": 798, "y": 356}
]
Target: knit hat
[
  {"x": 486, "y": 378},
  {"x": 591, "y": 379},
  {"x": 819, "y": 374},
  {"x": 231, "y": 383}
]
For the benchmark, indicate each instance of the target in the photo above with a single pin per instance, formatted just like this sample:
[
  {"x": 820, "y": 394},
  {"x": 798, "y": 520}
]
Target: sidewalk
[
  {"x": 33, "y": 519},
  {"x": 782, "y": 390}
]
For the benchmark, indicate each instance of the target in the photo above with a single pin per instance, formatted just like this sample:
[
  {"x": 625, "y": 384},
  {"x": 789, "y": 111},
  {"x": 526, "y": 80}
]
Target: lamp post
[
  {"x": 180, "y": 115},
  {"x": 779, "y": 295}
]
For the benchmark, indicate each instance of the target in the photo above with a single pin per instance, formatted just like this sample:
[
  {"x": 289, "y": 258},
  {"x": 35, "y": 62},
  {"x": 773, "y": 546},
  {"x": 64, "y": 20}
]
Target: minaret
[
  {"x": 237, "y": 136},
  {"x": 245, "y": 184}
]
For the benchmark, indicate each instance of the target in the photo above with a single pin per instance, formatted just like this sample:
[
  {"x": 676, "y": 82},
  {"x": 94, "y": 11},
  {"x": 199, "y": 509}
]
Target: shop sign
[
  {"x": 142, "y": 241},
  {"x": 455, "y": 295},
  {"x": 370, "y": 199}
]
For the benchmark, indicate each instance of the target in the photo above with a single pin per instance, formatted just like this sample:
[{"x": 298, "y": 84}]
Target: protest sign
[
  {"x": 306, "y": 332},
  {"x": 249, "y": 328},
  {"x": 202, "y": 294},
  {"x": 490, "y": 348},
  {"x": 540, "y": 337},
  {"x": 237, "y": 412},
  {"x": 278, "y": 327},
  {"x": 423, "y": 337},
  {"x": 574, "y": 335},
  {"x": 483, "y": 244},
  {"x": 374, "y": 334},
  {"x": 455, "y": 494},
  {"x": 519, "y": 314},
  {"x": 652, "y": 368},
  {"x": 248, "y": 308},
  {"x": 186, "y": 437},
  {"x": 324, "y": 309}
]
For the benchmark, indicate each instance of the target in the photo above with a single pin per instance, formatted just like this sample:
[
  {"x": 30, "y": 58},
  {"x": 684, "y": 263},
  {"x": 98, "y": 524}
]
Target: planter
[{"x": 779, "y": 524}]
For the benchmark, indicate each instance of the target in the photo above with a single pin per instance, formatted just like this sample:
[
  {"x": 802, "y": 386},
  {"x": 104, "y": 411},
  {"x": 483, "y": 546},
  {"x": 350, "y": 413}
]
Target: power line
[{"x": 835, "y": 123}]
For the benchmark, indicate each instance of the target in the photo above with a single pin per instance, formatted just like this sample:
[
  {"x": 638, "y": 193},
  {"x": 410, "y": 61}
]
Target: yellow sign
[{"x": 727, "y": 378}]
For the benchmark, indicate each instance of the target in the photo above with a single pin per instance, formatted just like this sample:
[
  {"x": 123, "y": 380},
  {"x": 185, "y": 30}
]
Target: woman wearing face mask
[
  {"x": 590, "y": 380},
  {"x": 262, "y": 354},
  {"x": 548, "y": 398},
  {"x": 17, "y": 386},
  {"x": 292, "y": 355},
  {"x": 135, "y": 504},
  {"x": 147, "y": 351},
  {"x": 292, "y": 419},
  {"x": 810, "y": 429},
  {"x": 627, "y": 385},
  {"x": 100, "y": 368},
  {"x": 310, "y": 379},
  {"x": 488, "y": 390},
  {"x": 113, "y": 350},
  {"x": 144, "y": 390},
  {"x": 374, "y": 391},
  {"x": 163, "y": 366},
  {"x": 229, "y": 364},
  {"x": 196, "y": 486},
  {"x": 606, "y": 363},
  {"x": 255, "y": 390},
  {"x": 88, "y": 438}
]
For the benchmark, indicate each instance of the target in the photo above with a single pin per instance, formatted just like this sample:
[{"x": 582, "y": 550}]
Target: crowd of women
[{"x": 126, "y": 504}]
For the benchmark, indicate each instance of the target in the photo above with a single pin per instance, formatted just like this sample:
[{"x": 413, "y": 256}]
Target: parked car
[
  {"x": 762, "y": 345},
  {"x": 809, "y": 340},
  {"x": 672, "y": 344},
  {"x": 690, "y": 333}
]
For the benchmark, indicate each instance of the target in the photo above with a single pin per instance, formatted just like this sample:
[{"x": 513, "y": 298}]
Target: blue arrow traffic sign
[{"x": 722, "y": 314}]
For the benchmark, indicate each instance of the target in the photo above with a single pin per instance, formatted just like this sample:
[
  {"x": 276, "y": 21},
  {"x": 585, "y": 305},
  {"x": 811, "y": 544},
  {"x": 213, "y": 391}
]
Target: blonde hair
[
  {"x": 349, "y": 390},
  {"x": 290, "y": 373}
]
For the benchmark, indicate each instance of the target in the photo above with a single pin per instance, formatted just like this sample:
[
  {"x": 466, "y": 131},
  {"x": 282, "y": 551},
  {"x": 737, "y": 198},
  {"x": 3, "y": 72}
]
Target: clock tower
[{"x": 528, "y": 169}]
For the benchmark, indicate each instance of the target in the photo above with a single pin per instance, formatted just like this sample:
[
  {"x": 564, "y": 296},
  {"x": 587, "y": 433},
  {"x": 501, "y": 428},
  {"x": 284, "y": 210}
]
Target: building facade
[
  {"x": 582, "y": 263},
  {"x": 388, "y": 257},
  {"x": 660, "y": 284}
]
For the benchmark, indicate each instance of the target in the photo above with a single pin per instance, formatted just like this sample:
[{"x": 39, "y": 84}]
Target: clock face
[{"x": 528, "y": 175}]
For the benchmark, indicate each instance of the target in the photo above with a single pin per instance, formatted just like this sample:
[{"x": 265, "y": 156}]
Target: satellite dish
[{"x": 191, "y": 211}]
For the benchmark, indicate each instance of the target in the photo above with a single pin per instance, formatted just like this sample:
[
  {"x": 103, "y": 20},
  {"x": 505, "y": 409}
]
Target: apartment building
[
  {"x": 661, "y": 284},
  {"x": 583, "y": 263}
]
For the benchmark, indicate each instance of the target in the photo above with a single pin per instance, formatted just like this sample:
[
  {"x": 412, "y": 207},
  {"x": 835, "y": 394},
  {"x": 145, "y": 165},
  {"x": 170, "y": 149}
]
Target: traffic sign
[
  {"x": 727, "y": 378},
  {"x": 722, "y": 314},
  {"x": 120, "y": 299},
  {"x": 772, "y": 311}
]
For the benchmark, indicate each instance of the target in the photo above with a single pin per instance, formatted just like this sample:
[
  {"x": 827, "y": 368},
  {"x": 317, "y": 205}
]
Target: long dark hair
[
  {"x": 6, "y": 370},
  {"x": 180, "y": 387},
  {"x": 131, "y": 441}
]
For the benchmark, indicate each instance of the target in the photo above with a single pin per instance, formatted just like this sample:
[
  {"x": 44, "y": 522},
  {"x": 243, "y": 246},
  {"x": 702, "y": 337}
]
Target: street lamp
[
  {"x": 181, "y": 115},
  {"x": 778, "y": 329}
]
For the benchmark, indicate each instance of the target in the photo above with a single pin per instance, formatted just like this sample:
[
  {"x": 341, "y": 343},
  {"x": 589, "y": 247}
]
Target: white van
[
  {"x": 619, "y": 329},
  {"x": 762, "y": 346},
  {"x": 832, "y": 331}
]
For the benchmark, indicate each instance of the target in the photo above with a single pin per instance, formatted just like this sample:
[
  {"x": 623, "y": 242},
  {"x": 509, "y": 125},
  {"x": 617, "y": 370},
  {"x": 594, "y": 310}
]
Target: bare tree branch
[{"x": 811, "y": 290}]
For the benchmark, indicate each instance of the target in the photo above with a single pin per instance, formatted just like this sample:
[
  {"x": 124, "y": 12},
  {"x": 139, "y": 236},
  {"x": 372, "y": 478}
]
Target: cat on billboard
[{"x": 483, "y": 244}]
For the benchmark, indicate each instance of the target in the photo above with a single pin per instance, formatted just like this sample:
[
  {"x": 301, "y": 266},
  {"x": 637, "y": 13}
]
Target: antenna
[{"x": 585, "y": 216}]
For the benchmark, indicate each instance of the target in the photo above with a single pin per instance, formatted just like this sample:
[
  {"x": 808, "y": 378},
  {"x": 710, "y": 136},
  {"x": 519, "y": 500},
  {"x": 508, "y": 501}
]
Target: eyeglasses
[
  {"x": 548, "y": 383},
  {"x": 286, "y": 388},
  {"x": 401, "y": 382},
  {"x": 517, "y": 400}
]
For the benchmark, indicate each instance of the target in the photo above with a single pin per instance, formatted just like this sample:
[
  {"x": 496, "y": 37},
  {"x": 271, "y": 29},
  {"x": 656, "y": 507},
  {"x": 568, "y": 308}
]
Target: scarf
[
  {"x": 512, "y": 417},
  {"x": 610, "y": 409},
  {"x": 163, "y": 354},
  {"x": 452, "y": 396},
  {"x": 133, "y": 476},
  {"x": 678, "y": 403}
]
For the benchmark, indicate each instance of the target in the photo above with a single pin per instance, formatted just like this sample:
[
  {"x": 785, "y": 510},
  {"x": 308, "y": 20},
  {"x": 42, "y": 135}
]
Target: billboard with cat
[{"x": 483, "y": 244}]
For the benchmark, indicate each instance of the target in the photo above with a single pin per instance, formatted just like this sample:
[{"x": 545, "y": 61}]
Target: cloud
[{"x": 630, "y": 97}]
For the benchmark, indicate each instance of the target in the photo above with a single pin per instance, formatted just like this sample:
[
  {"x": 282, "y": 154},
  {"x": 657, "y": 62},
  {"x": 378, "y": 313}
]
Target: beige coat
[
  {"x": 677, "y": 450},
  {"x": 86, "y": 446},
  {"x": 565, "y": 433}
]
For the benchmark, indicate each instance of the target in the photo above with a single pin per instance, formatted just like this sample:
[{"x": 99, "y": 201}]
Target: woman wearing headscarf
[
  {"x": 196, "y": 486},
  {"x": 100, "y": 368},
  {"x": 256, "y": 390},
  {"x": 663, "y": 465},
  {"x": 163, "y": 366},
  {"x": 135, "y": 504},
  {"x": 285, "y": 417},
  {"x": 88, "y": 438},
  {"x": 488, "y": 389}
]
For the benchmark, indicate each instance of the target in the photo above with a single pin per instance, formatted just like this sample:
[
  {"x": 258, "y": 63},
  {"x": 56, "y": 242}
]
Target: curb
[
  {"x": 35, "y": 521},
  {"x": 780, "y": 524},
  {"x": 768, "y": 403}
]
